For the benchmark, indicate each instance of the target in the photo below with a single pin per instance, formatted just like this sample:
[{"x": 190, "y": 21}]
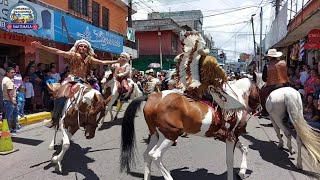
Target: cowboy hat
[{"x": 274, "y": 53}]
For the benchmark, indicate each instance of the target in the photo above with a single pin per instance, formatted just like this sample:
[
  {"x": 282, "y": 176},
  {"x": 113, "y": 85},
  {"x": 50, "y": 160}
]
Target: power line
[
  {"x": 233, "y": 36},
  {"x": 229, "y": 24}
]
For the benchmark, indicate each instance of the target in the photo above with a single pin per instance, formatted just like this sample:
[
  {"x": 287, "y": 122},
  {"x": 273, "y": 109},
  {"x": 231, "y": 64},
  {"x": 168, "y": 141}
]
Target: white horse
[
  {"x": 288, "y": 100},
  {"x": 112, "y": 84}
]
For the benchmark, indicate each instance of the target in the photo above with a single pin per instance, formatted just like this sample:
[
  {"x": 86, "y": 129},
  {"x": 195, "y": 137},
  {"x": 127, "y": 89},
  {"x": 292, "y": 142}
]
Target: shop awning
[{"x": 313, "y": 22}]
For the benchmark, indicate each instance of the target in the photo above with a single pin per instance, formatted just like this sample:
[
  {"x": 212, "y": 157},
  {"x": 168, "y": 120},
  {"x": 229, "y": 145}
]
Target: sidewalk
[{"x": 33, "y": 118}]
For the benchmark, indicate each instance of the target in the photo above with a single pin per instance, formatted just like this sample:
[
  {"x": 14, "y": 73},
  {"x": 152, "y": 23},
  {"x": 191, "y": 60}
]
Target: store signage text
[
  {"x": 314, "y": 35},
  {"x": 14, "y": 37}
]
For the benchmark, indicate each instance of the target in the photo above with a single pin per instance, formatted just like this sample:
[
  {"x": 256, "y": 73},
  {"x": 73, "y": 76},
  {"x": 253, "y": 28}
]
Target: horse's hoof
[
  {"x": 58, "y": 167},
  {"x": 241, "y": 175},
  {"x": 99, "y": 126},
  {"x": 54, "y": 159},
  {"x": 51, "y": 147}
]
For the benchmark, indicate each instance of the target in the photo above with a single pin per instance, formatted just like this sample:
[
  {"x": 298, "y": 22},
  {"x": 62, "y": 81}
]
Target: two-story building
[{"x": 59, "y": 24}]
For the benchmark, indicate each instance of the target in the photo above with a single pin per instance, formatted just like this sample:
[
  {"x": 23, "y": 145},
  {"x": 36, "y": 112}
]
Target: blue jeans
[
  {"x": 314, "y": 124},
  {"x": 11, "y": 113},
  {"x": 21, "y": 108}
]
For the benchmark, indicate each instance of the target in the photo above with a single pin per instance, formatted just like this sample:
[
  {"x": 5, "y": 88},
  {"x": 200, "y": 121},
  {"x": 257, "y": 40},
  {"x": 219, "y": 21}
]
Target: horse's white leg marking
[
  {"x": 243, "y": 166},
  {"x": 147, "y": 158},
  {"x": 206, "y": 123},
  {"x": 229, "y": 158},
  {"x": 162, "y": 146},
  {"x": 277, "y": 129},
  {"x": 299, "y": 159},
  {"x": 53, "y": 141},
  {"x": 110, "y": 105}
]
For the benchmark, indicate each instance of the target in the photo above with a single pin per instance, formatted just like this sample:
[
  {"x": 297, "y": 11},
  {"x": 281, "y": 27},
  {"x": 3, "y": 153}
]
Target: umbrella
[{"x": 154, "y": 65}]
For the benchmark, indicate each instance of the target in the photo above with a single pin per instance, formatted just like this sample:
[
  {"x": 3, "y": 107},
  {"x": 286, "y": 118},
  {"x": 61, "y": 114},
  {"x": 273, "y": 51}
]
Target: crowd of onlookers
[{"x": 30, "y": 92}]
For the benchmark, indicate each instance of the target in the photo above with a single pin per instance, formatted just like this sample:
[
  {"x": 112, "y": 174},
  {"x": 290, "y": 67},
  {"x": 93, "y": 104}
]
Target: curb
[{"x": 32, "y": 118}]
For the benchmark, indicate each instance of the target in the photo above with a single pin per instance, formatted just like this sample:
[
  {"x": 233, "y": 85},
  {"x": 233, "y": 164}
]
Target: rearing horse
[{"x": 169, "y": 114}]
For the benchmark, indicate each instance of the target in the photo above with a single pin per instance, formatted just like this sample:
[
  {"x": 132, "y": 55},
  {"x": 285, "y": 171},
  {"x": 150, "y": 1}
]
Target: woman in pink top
[{"x": 312, "y": 83}]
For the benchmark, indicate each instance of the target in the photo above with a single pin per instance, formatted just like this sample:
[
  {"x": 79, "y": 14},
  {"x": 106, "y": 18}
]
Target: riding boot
[{"x": 57, "y": 111}]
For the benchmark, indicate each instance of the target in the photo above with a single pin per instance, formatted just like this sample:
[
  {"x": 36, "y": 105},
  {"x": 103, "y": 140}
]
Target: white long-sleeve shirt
[{"x": 29, "y": 89}]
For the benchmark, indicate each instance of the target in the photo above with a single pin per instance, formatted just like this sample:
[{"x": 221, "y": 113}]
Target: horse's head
[
  {"x": 92, "y": 106},
  {"x": 254, "y": 100},
  {"x": 107, "y": 79},
  {"x": 192, "y": 41}
]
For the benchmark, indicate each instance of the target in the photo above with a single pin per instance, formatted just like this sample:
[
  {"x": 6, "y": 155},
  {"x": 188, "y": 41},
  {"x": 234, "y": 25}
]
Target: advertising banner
[
  {"x": 68, "y": 29},
  {"x": 27, "y": 18}
]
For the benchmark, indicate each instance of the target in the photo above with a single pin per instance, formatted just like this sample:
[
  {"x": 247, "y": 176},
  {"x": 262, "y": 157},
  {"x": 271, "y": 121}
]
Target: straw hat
[{"x": 274, "y": 53}]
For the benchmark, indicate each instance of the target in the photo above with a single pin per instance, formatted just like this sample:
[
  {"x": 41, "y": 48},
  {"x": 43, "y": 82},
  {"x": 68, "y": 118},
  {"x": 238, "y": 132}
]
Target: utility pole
[
  {"x": 254, "y": 40},
  {"x": 277, "y": 7},
  {"x": 160, "y": 48},
  {"x": 130, "y": 20},
  {"x": 261, "y": 18},
  {"x": 130, "y": 26}
]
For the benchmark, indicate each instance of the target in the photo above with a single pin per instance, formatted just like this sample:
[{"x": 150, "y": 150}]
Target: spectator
[
  {"x": 55, "y": 75},
  {"x": 172, "y": 85},
  {"x": 312, "y": 83},
  {"x": 65, "y": 73},
  {"x": 309, "y": 109},
  {"x": 17, "y": 79},
  {"x": 21, "y": 100},
  {"x": 3, "y": 68},
  {"x": 47, "y": 96},
  {"x": 9, "y": 100},
  {"x": 304, "y": 74},
  {"x": 29, "y": 94}
]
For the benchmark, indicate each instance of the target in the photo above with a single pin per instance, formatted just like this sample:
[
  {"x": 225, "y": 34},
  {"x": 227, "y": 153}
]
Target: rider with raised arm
[
  {"x": 122, "y": 72},
  {"x": 80, "y": 58}
]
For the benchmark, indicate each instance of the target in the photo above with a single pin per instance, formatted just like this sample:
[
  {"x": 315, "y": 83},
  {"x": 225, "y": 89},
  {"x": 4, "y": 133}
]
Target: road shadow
[
  {"x": 75, "y": 160},
  {"x": 26, "y": 141},
  {"x": 184, "y": 174},
  {"x": 270, "y": 152},
  {"x": 109, "y": 124}
]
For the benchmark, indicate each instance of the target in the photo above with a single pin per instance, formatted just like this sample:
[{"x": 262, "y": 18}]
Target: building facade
[
  {"x": 59, "y": 24},
  {"x": 153, "y": 34},
  {"x": 192, "y": 19}
]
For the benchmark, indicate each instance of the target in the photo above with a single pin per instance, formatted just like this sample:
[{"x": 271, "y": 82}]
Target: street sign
[{"x": 131, "y": 34}]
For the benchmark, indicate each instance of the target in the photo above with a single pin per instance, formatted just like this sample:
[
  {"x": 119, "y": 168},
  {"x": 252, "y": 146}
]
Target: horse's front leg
[
  {"x": 299, "y": 159},
  {"x": 110, "y": 105},
  {"x": 229, "y": 158},
  {"x": 65, "y": 146},
  {"x": 243, "y": 166},
  {"x": 53, "y": 142}
]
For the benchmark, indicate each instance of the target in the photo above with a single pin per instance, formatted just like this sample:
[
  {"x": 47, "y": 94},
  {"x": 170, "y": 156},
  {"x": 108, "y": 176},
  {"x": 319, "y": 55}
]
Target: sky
[{"x": 229, "y": 31}]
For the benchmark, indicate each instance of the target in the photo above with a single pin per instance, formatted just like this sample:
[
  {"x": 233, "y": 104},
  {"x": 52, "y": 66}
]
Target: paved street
[{"x": 193, "y": 157}]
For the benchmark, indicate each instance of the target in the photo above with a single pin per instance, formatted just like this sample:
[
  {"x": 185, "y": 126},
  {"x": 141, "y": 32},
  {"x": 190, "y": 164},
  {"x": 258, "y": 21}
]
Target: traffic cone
[{"x": 6, "y": 146}]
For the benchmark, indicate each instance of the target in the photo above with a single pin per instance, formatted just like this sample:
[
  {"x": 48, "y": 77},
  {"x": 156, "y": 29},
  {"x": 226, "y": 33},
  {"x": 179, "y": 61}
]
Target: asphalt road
[{"x": 193, "y": 158}]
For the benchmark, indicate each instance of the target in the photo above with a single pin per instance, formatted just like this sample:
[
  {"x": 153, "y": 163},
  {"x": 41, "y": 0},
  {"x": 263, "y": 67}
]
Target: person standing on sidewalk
[
  {"x": 9, "y": 99},
  {"x": 21, "y": 100},
  {"x": 29, "y": 94}
]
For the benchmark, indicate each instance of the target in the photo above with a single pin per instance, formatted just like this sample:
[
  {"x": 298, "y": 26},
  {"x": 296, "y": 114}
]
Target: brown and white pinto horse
[
  {"x": 82, "y": 111},
  {"x": 168, "y": 114}
]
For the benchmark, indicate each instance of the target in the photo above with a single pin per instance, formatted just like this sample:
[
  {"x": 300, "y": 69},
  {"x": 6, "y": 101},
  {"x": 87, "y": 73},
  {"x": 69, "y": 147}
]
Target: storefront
[{"x": 51, "y": 28}]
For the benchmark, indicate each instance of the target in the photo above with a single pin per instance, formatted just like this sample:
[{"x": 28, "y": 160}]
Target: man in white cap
[
  {"x": 275, "y": 74},
  {"x": 80, "y": 58}
]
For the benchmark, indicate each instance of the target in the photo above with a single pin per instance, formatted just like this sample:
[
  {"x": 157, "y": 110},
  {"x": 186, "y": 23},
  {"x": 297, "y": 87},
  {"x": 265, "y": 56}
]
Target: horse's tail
[
  {"x": 128, "y": 134},
  {"x": 308, "y": 135}
]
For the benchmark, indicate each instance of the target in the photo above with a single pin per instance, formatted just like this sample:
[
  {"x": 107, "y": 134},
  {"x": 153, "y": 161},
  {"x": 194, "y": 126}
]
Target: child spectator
[
  {"x": 55, "y": 75},
  {"x": 309, "y": 110},
  {"x": 21, "y": 100},
  {"x": 29, "y": 94},
  {"x": 47, "y": 96}
]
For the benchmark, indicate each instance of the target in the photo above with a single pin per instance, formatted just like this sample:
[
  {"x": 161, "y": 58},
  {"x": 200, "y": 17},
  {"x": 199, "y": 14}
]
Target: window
[
  {"x": 80, "y": 6},
  {"x": 105, "y": 18},
  {"x": 95, "y": 14}
]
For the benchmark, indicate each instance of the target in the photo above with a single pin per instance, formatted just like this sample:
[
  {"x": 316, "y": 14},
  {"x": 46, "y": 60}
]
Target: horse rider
[
  {"x": 80, "y": 58},
  {"x": 122, "y": 73},
  {"x": 275, "y": 75},
  {"x": 153, "y": 84}
]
